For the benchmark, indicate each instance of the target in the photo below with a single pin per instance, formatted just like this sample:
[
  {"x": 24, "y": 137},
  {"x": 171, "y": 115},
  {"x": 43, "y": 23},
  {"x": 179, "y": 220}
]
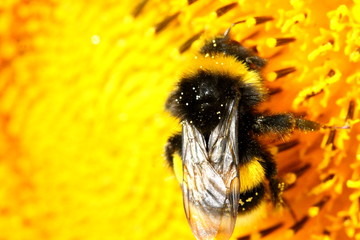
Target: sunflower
[{"x": 82, "y": 121}]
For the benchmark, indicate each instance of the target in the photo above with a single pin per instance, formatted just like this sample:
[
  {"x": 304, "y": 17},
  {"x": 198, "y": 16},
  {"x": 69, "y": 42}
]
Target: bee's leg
[
  {"x": 282, "y": 124},
  {"x": 306, "y": 125},
  {"x": 276, "y": 189},
  {"x": 275, "y": 185},
  {"x": 173, "y": 145}
]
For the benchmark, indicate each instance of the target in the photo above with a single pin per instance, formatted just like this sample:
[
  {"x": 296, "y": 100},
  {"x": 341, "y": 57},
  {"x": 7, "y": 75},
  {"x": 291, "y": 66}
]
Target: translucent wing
[{"x": 210, "y": 178}]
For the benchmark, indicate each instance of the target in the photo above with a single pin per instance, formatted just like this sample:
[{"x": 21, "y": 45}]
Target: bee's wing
[{"x": 210, "y": 178}]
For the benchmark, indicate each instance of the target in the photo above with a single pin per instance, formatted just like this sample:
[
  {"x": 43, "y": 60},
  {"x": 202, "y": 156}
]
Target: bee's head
[{"x": 202, "y": 98}]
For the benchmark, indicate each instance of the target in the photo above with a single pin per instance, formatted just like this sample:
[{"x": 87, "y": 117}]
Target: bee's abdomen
[
  {"x": 252, "y": 189},
  {"x": 250, "y": 199}
]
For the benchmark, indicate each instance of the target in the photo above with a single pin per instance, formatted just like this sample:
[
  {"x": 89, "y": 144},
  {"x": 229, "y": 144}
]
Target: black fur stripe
[{"x": 249, "y": 200}]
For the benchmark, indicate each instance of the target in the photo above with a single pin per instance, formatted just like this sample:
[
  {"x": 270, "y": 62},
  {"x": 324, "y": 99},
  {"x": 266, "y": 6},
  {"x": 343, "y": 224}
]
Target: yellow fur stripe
[
  {"x": 227, "y": 65},
  {"x": 178, "y": 170},
  {"x": 251, "y": 175},
  {"x": 252, "y": 217}
]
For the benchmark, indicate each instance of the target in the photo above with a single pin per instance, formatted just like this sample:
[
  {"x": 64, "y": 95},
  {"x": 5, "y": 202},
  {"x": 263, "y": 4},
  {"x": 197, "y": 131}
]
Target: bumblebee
[{"x": 225, "y": 171}]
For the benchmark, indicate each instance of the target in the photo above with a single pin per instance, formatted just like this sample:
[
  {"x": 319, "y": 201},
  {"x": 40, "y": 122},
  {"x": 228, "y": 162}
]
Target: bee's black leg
[
  {"x": 282, "y": 124},
  {"x": 306, "y": 125},
  {"x": 173, "y": 145},
  {"x": 276, "y": 189},
  {"x": 275, "y": 185}
]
